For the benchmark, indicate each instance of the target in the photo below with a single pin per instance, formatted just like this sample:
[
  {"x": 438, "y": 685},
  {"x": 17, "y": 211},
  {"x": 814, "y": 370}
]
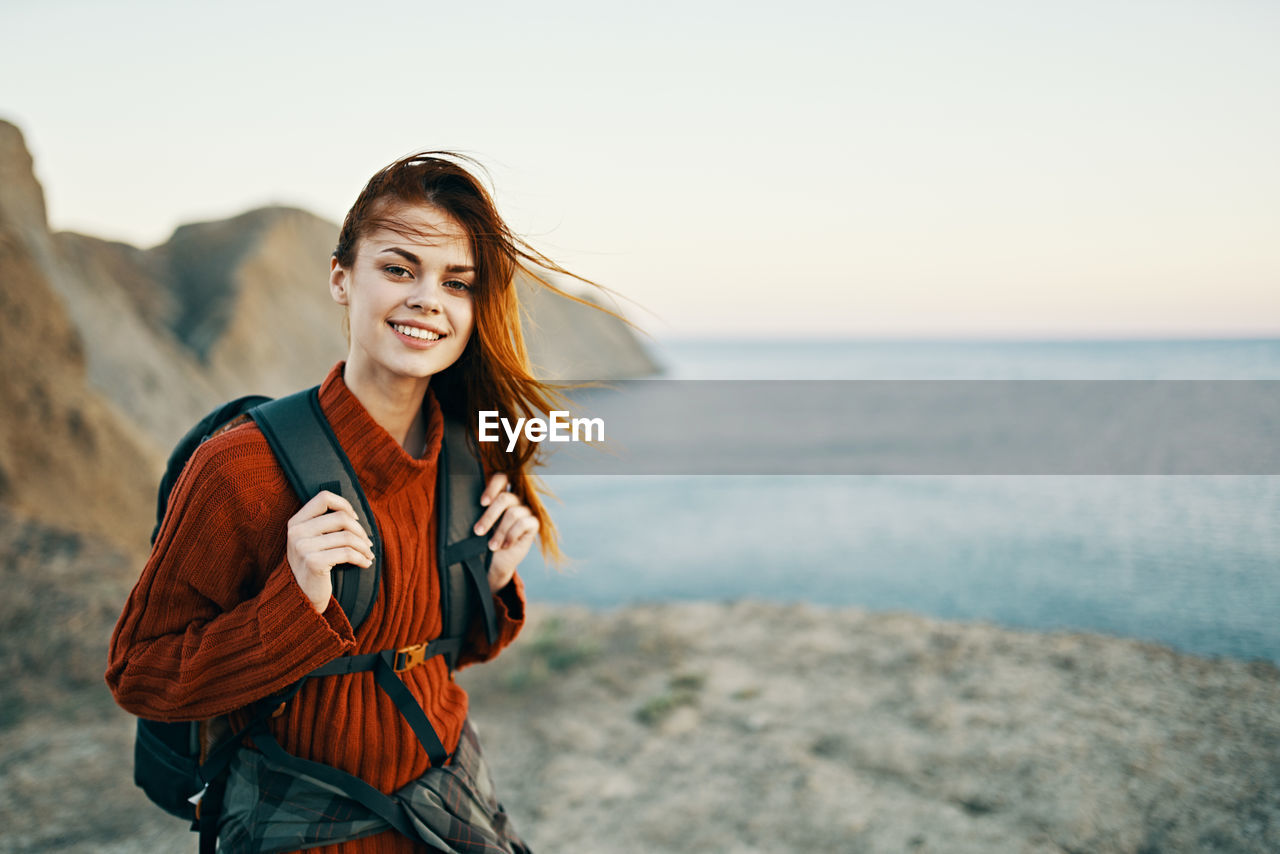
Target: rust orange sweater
[{"x": 217, "y": 620}]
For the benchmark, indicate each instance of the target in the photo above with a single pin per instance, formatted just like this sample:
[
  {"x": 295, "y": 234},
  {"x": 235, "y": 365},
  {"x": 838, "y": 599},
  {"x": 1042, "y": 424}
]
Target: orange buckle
[{"x": 409, "y": 657}]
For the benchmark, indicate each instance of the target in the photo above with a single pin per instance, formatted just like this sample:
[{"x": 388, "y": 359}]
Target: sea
[{"x": 1190, "y": 561}]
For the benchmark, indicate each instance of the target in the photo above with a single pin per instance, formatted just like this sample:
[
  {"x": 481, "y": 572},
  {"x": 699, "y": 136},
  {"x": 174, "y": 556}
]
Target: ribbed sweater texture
[{"x": 217, "y": 619}]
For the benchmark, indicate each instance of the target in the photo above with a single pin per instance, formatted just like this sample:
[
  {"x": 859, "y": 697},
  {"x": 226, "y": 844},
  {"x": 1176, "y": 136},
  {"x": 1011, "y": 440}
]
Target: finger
[
  {"x": 523, "y": 531},
  {"x": 491, "y": 514},
  {"x": 337, "y": 540},
  {"x": 496, "y": 486},
  {"x": 327, "y": 501},
  {"x": 323, "y": 561},
  {"x": 502, "y": 531},
  {"x": 323, "y": 502},
  {"x": 335, "y": 520},
  {"x": 335, "y": 507}
]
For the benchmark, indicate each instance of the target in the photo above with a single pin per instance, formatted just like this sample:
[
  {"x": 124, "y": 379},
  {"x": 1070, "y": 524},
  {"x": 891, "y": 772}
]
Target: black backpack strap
[
  {"x": 209, "y": 811},
  {"x": 462, "y": 556},
  {"x": 313, "y": 460},
  {"x": 414, "y": 716},
  {"x": 399, "y": 659}
]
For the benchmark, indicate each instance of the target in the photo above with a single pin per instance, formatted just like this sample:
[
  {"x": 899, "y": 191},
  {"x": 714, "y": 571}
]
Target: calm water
[{"x": 1190, "y": 561}]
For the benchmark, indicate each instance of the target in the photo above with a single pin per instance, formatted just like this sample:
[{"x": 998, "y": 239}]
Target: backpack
[{"x": 169, "y": 763}]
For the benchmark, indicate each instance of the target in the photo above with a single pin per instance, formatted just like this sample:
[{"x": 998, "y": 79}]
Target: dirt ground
[{"x": 754, "y": 727}]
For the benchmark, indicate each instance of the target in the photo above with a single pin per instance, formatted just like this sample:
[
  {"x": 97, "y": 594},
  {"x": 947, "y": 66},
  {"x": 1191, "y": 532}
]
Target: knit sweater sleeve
[{"x": 217, "y": 620}]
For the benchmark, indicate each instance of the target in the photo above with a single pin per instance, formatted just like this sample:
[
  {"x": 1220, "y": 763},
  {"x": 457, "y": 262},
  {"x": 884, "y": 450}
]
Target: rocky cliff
[
  {"x": 67, "y": 458},
  {"x": 570, "y": 341}
]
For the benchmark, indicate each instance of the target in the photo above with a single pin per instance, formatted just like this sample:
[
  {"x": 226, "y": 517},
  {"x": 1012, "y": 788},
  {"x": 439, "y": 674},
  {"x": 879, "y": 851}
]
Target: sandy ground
[{"x": 758, "y": 728}]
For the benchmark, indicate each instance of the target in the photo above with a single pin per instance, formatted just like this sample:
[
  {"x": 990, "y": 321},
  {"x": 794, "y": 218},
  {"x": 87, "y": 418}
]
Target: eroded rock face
[
  {"x": 120, "y": 302},
  {"x": 21, "y": 196},
  {"x": 65, "y": 456},
  {"x": 253, "y": 300},
  {"x": 570, "y": 341}
]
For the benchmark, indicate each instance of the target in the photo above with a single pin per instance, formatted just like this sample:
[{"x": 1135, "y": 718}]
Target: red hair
[{"x": 493, "y": 372}]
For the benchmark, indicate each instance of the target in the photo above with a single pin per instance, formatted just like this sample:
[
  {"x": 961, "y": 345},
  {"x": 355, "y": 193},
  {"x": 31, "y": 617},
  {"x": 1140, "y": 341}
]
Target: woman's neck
[{"x": 395, "y": 403}]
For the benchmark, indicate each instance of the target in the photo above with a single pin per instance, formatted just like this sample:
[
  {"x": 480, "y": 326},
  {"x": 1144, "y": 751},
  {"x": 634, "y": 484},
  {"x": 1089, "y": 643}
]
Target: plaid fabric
[{"x": 454, "y": 808}]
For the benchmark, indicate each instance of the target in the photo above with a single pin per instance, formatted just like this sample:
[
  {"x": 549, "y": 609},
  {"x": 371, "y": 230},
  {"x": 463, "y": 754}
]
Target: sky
[{"x": 912, "y": 169}]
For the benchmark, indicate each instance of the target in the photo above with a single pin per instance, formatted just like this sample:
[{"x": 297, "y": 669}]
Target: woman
[{"x": 236, "y": 601}]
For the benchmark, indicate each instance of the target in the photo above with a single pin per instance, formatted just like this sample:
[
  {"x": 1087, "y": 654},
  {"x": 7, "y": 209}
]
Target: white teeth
[{"x": 415, "y": 332}]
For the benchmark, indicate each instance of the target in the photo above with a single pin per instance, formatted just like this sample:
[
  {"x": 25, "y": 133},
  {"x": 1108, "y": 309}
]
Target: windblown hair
[{"x": 493, "y": 372}]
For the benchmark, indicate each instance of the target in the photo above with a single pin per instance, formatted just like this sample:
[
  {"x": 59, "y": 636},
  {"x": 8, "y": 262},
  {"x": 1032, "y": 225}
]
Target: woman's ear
[{"x": 338, "y": 281}]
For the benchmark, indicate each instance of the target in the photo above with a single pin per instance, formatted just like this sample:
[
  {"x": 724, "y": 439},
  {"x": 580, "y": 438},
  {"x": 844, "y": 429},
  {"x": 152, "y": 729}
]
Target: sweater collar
[{"x": 381, "y": 464}]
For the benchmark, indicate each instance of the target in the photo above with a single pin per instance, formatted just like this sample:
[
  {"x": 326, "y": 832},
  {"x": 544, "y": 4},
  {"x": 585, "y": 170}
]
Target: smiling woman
[
  {"x": 408, "y": 298},
  {"x": 425, "y": 268}
]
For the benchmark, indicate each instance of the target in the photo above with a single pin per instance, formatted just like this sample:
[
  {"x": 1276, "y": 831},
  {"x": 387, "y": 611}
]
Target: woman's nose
[{"x": 425, "y": 295}]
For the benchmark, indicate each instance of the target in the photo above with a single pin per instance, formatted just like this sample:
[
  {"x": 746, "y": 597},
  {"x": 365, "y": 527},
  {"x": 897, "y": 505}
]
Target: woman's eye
[
  {"x": 455, "y": 284},
  {"x": 396, "y": 270}
]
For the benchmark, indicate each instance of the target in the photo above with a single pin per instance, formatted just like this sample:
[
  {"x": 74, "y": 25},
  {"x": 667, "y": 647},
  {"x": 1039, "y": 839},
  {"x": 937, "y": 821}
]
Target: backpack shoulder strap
[
  {"x": 312, "y": 459},
  {"x": 462, "y": 556}
]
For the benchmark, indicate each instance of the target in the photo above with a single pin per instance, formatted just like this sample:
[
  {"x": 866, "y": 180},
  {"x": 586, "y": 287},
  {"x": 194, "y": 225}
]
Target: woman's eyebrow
[
  {"x": 409, "y": 256},
  {"x": 405, "y": 254}
]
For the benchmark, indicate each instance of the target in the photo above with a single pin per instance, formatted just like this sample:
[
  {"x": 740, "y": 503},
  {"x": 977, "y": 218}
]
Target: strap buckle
[{"x": 409, "y": 657}]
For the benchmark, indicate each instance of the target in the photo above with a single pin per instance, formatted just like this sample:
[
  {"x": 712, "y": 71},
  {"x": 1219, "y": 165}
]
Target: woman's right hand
[{"x": 325, "y": 533}]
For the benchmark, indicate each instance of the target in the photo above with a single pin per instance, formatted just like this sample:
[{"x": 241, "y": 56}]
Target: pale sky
[{"x": 1008, "y": 169}]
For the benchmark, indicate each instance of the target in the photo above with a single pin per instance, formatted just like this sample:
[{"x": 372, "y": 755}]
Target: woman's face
[{"x": 408, "y": 298}]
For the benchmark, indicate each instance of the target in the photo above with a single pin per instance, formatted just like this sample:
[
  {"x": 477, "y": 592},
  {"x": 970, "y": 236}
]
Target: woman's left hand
[{"x": 516, "y": 527}]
